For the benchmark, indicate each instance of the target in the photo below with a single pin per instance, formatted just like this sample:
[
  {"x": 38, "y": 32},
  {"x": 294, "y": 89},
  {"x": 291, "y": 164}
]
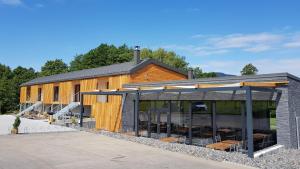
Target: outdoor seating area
[{"x": 229, "y": 133}]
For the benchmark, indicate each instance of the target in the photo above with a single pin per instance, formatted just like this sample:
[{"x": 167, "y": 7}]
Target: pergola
[{"x": 247, "y": 87}]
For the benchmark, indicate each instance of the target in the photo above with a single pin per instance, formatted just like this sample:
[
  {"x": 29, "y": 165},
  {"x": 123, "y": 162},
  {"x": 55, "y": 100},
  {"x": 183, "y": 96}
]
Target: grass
[{"x": 273, "y": 123}]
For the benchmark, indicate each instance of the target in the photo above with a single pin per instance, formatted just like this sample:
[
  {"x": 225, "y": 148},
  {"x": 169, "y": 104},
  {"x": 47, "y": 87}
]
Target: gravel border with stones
[{"x": 278, "y": 159}]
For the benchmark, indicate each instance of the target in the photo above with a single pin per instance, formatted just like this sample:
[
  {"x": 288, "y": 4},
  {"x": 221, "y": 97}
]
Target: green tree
[
  {"x": 249, "y": 69},
  {"x": 109, "y": 54},
  {"x": 101, "y": 56},
  {"x": 7, "y": 90},
  {"x": 198, "y": 73},
  {"x": 53, "y": 67}
]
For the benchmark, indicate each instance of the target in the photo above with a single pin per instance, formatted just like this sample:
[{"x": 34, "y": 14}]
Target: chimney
[
  {"x": 136, "y": 55},
  {"x": 190, "y": 74}
]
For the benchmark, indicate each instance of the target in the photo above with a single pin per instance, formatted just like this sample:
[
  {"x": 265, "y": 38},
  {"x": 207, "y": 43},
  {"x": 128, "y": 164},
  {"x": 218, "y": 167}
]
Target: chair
[
  {"x": 218, "y": 138},
  {"x": 241, "y": 147}
]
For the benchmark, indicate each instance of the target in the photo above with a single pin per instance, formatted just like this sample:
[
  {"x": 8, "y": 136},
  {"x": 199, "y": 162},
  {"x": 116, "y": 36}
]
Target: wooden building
[{"x": 60, "y": 92}]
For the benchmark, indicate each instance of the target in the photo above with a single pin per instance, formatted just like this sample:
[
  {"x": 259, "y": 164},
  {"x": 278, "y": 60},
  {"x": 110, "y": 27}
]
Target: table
[
  {"x": 225, "y": 130},
  {"x": 223, "y": 145},
  {"x": 259, "y": 136}
]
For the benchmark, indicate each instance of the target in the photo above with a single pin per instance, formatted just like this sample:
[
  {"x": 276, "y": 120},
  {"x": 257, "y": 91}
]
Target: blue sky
[{"x": 215, "y": 35}]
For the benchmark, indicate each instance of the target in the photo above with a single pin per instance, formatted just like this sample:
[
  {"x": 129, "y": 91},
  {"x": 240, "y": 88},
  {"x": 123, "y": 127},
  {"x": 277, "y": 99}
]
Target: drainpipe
[{"x": 298, "y": 135}]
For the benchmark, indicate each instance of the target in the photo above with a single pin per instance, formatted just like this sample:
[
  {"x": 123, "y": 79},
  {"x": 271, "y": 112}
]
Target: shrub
[{"x": 17, "y": 122}]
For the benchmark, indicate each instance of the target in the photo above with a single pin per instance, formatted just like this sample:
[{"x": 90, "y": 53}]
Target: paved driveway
[{"x": 72, "y": 150}]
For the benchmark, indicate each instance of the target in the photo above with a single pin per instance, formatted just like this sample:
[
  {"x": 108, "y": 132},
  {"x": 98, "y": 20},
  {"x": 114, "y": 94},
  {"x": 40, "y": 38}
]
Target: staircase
[
  {"x": 66, "y": 109},
  {"x": 30, "y": 108}
]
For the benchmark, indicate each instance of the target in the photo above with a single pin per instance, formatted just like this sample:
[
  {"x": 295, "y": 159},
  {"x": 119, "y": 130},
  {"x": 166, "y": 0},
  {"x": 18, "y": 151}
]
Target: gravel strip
[{"x": 279, "y": 159}]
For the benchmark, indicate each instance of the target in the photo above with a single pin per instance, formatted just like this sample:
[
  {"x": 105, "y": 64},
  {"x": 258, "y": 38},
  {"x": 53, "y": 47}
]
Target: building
[
  {"x": 61, "y": 93},
  {"x": 151, "y": 99},
  {"x": 259, "y": 110}
]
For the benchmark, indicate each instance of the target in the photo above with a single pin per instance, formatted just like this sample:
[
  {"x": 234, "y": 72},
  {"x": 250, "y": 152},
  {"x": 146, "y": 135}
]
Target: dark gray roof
[
  {"x": 220, "y": 80},
  {"x": 115, "y": 69}
]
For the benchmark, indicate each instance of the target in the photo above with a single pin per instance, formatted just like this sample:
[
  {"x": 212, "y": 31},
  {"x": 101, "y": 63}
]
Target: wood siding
[
  {"x": 34, "y": 93},
  {"x": 154, "y": 73},
  {"x": 23, "y": 94},
  {"x": 65, "y": 92},
  {"x": 48, "y": 93},
  {"x": 108, "y": 115},
  {"x": 88, "y": 85}
]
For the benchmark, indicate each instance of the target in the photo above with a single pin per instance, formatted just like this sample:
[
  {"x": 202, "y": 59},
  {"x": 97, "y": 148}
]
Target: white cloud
[
  {"x": 11, "y": 2},
  {"x": 258, "y": 48},
  {"x": 293, "y": 44},
  {"x": 244, "y": 40},
  {"x": 264, "y": 66}
]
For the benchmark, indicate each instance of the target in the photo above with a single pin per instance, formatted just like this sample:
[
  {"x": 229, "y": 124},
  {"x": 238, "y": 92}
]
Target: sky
[{"x": 216, "y": 35}]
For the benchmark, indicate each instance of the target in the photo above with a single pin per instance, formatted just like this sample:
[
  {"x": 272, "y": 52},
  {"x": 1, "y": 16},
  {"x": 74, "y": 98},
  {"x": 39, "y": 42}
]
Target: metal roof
[
  {"x": 220, "y": 80},
  {"x": 115, "y": 69}
]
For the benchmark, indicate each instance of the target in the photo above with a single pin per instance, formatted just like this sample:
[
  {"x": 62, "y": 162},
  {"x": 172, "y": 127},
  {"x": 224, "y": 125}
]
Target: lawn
[{"x": 273, "y": 123}]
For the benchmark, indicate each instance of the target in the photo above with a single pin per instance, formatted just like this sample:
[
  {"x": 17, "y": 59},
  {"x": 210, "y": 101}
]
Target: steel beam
[
  {"x": 213, "y": 119},
  {"x": 190, "y": 123},
  {"x": 137, "y": 99},
  {"x": 249, "y": 122},
  {"x": 158, "y": 119},
  {"x": 243, "y": 120},
  {"x": 81, "y": 109},
  {"x": 169, "y": 118},
  {"x": 149, "y": 123}
]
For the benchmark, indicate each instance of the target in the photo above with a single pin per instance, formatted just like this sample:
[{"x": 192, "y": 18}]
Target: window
[
  {"x": 39, "y": 94},
  {"x": 28, "y": 93},
  {"x": 102, "y": 85},
  {"x": 77, "y": 93},
  {"x": 56, "y": 93}
]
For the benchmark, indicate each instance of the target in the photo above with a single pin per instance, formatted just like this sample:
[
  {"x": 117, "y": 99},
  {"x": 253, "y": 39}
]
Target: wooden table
[
  {"x": 225, "y": 130},
  {"x": 223, "y": 145},
  {"x": 259, "y": 136},
  {"x": 169, "y": 139}
]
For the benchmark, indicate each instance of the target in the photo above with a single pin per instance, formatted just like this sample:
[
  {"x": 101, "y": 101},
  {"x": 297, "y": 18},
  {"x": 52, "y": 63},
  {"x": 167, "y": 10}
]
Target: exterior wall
[
  {"x": 108, "y": 115},
  {"x": 23, "y": 95},
  {"x": 65, "y": 92},
  {"x": 48, "y": 93},
  {"x": 88, "y": 85},
  {"x": 154, "y": 73},
  {"x": 34, "y": 93}
]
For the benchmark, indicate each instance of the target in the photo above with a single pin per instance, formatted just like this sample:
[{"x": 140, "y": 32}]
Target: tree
[
  {"x": 109, "y": 54},
  {"x": 198, "y": 73},
  {"x": 101, "y": 56},
  {"x": 7, "y": 90},
  {"x": 249, "y": 69},
  {"x": 53, "y": 67}
]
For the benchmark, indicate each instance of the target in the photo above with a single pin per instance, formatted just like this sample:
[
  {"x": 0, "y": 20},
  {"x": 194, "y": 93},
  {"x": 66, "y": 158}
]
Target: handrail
[{"x": 60, "y": 98}]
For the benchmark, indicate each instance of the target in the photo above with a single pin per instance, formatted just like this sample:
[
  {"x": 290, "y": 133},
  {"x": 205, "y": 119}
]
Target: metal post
[
  {"x": 137, "y": 95},
  {"x": 243, "y": 120},
  {"x": 213, "y": 119},
  {"x": 249, "y": 122},
  {"x": 298, "y": 135},
  {"x": 158, "y": 119},
  {"x": 149, "y": 123},
  {"x": 190, "y": 122},
  {"x": 169, "y": 119},
  {"x": 81, "y": 110}
]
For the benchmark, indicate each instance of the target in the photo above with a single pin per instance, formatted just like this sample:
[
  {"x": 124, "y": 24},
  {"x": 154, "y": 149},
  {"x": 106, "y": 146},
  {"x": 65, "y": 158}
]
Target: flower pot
[{"x": 14, "y": 131}]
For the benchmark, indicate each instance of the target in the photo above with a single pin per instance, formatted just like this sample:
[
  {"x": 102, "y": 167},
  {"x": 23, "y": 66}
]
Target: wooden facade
[{"x": 107, "y": 114}]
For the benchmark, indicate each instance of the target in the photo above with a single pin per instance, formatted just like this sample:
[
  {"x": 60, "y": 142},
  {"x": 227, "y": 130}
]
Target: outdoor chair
[
  {"x": 241, "y": 147},
  {"x": 218, "y": 138}
]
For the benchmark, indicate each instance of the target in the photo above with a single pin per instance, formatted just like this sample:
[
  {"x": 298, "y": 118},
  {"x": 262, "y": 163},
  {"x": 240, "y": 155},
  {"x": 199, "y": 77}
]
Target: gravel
[
  {"x": 29, "y": 126},
  {"x": 278, "y": 159}
]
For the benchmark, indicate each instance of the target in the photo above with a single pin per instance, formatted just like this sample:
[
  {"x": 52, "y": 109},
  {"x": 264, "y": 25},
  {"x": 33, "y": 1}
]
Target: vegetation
[
  {"x": 17, "y": 123},
  {"x": 104, "y": 54},
  {"x": 53, "y": 67},
  {"x": 249, "y": 69}
]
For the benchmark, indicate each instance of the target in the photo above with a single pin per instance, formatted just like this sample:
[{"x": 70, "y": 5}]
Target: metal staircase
[
  {"x": 66, "y": 109},
  {"x": 30, "y": 108}
]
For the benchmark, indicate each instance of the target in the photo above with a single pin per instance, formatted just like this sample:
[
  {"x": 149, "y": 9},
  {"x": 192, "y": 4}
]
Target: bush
[{"x": 17, "y": 122}]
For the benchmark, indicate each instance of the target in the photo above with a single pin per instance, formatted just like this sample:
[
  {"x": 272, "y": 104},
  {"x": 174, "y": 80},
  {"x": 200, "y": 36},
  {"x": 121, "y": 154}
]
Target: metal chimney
[
  {"x": 190, "y": 74},
  {"x": 136, "y": 55}
]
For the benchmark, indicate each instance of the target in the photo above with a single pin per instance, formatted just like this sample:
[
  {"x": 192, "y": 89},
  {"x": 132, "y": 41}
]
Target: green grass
[{"x": 273, "y": 123}]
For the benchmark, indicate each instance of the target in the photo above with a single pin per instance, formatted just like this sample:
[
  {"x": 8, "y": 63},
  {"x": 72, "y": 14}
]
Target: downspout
[{"x": 297, "y": 129}]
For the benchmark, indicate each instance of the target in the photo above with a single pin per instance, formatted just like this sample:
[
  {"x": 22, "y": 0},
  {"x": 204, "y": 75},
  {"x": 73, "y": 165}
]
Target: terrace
[{"x": 228, "y": 117}]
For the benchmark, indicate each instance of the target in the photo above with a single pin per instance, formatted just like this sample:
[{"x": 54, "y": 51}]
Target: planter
[{"x": 14, "y": 131}]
